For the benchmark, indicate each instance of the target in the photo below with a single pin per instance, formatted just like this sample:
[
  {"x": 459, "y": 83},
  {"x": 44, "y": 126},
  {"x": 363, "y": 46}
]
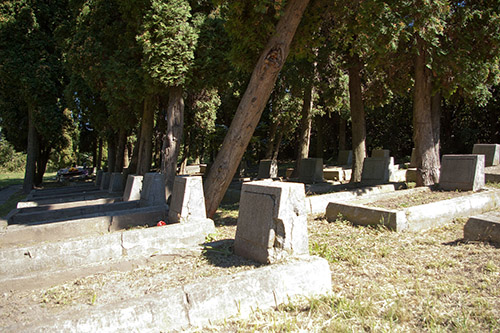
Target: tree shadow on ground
[
  {"x": 220, "y": 253},
  {"x": 463, "y": 241}
]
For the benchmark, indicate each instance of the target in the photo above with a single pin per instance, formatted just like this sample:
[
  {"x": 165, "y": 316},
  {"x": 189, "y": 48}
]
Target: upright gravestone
[
  {"x": 133, "y": 188},
  {"x": 267, "y": 169},
  {"x": 106, "y": 178},
  {"x": 462, "y": 172},
  {"x": 188, "y": 200},
  {"x": 272, "y": 221},
  {"x": 116, "y": 182},
  {"x": 153, "y": 190},
  {"x": 345, "y": 157},
  {"x": 98, "y": 178},
  {"x": 491, "y": 153},
  {"x": 413, "y": 158},
  {"x": 377, "y": 170},
  {"x": 311, "y": 170},
  {"x": 381, "y": 153}
]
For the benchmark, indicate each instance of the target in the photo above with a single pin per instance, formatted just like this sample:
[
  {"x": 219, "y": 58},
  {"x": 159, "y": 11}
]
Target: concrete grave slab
[
  {"x": 272, "y": 221},
  {"x": 491, "y": 153},
  {"x": 311, "y": 170},
  {"x": 462, "y": 172},
  {"x": 414, "y": 218},
  {"x": 188, "y": 200},
  {"x": 116, "y": 182},
  {"x": 106, "y": 179},
  {"x": 377, "y": 170},
  {"x": 74, "y": 198},
  {"x": 345, "y": 157},
  {"x": 267, "y": 169},
  {"x": 381, "y": 153},
  {"x": 484, "y": 227},
  {"x": 133, "y": 188}
]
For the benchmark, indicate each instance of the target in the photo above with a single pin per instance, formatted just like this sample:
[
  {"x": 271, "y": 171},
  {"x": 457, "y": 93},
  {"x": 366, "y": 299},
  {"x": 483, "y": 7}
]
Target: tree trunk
[
  {"x": 132, "y": 167},
  {"x": 172, "y": 138},
  {"x": 111, "y": 153},
  {"x": 342, "y": 133},
  {"x": 41, "y": 163},
  {"x": 305, "y": 129},
  {"x": 32, "y": 149},
  {"x": 426, "y": 159},
  {"x": 319, "y": 125},
  {"x": 358, "y": 118},
  {"x": 272, "y": 138},
  {"x": 436, "y": 121},
  {"x": 146, "y": 137},
  {"x": 251, "y": 105},
  {"x": 120, "y": 151},
  {"x": 99, "y": 155}
]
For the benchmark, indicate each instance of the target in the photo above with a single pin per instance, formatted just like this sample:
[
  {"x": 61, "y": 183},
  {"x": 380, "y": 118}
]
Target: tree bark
[
  {"x": 358, "y": 118},
  {"x": 320, "y": 130},
  {"x": 436, "y": 121},
  {"x": 41, "y": 163},
  {"x": 428, "y": 165},
  {"x": 146, "y": 137},
  {"x": 111, "y": 153},
  {"x": 32, "y": 149},
  {"x": 172, "y": 138},
  {"x": 120, "y": 151},
  {"x": 342, "y": 133},
  {"x": 99, "y": 155},
  {"x": 272, "y": 138},
  {"x": 305, "y": 128},
  {"x": 251, "y": 105}
]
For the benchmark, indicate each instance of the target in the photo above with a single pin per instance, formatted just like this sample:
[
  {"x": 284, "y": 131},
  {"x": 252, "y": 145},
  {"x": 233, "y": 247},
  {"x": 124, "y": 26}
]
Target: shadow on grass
[
  {"x": 463, "y": 241},
  {"x": 226, "y": 215},
  {"x": 221, "y": 254}
]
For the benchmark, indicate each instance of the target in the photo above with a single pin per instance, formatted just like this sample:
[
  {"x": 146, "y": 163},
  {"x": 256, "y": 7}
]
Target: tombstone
[
  {"x": 116, "y": 182},
  {"x": 311, "y": 170},
  {"x": 381, "y": 153},
  {"x": 133, "y": 188},
  {"x": 153, "y": 190},
  {"x": 345, "y": 157},
  {"x": 98, "y": 178},
  {"x": 242, "y": 170},
  {"x": 413, "y": 158},
  {"x": 272, "y": 221},
  {"x": 203, "y": 168},
  {"x": 106, "y": 178},
  {"x": 187, "y": 199},
  {"x": 491, "y": 153},
  {"x": 377, "y": 170},
  {"x": 192, "y": 169},
  {"x": 462, "y": 172},
  {"x": 268, "y": 169}
]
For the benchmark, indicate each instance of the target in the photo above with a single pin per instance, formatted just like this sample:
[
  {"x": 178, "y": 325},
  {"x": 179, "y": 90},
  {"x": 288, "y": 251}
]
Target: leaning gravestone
[
  {"x": 188, "y": 200},
  {"x": 311, "y": 170},
  {"x": 491, "y": 153},
  {"x": 106, "y": 178},
  {"x": 272, "y": 221},
  {"x": 381, "y": 153},
  {"x": 484, "y": 227},
  {"x": 133, "y": 188},
  {"x": 345, "y": 157},
  {"x": 377, "y": 170},
  {"x": 267, "y": 169},
  {"x": 116, "y": 182},
  {"x": 462, "y": 172}
]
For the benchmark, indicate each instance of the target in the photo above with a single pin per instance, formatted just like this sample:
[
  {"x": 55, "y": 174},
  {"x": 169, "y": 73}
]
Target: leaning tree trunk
[
  {"x": 251, "y": 105},
  {"x": 29, "y": 174},
  {"x": 358, "y": 118},
  {"x": 172, "y": 138},
  {"x": 146, "y": 137},
  {"x": 305, "y": 129},
  {"x": 423, "y": 134}
]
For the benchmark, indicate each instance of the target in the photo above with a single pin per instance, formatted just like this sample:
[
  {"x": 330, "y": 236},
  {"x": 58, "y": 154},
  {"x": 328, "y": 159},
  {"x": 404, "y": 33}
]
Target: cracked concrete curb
[
  {"x": 200, "y": 303},
  {"x": 88, "y": 250}
]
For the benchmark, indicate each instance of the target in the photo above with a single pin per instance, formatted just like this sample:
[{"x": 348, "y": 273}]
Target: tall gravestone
[
  {"x": 491, "y": 153},
  {"x": 377, "y": 170},
  {"x": 115, "y": 182},
  {"x": 98, "y": 178},
  {"x": 267, "y": 169},
  {"x": 133, "y": 188},
  {"x": 272, "y": 221},
  {"x": 462, "y": 172},
  {"x": 106, "y": 178},
  {"x": 311, "y": 170},
  {"x": 153, "y": 190},
  {"x": 188, "y": 200},
  {"x": 345, "y": 157},
  {"x": 381, "y": 153}
]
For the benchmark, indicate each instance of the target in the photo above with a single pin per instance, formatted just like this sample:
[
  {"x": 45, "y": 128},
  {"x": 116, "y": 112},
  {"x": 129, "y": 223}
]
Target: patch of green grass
[
  {"x": 17, "y": 178},
  {"x": 11, "y": 203}
]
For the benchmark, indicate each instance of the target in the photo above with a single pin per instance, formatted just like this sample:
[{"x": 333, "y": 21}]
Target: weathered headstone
[
  {"x": 188, "y": 200},
  {"x": 133, "y": 188},
  {"x": 484, "y": 227},
  {"x": 272, "y": 221},
  {"x": 345, "y": 157},
  {"x": 116, "y": 182},
  {"x": 242, "y": 170},
  {"x": 491, "y": 153},
  {"x": 106, "y": 178},
  {"x": 268, "y": 169},
  {"x": 377, "y": 170},
  {"x": 98, "y": 178},
  {"x": 381, "y": 153},
  {"x": 153, "y": 189},
  {"x": 311, "y": 170},
  {"x": 462, "y": 172}
]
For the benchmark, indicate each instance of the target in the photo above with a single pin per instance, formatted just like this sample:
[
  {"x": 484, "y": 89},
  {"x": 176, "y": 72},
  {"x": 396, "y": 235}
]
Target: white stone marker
[
  {"x": 462, "y": 172},
  {"x": 267, "y": 169},
  {"x": 491, "y": 153},
  {"x": 311, "y": 170},
  {"x": 377, "y": 170},
  {"x": 133, "y": 188},
  {"x": 188, "y": 200},
  {"x": 272, "y": 221}
]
